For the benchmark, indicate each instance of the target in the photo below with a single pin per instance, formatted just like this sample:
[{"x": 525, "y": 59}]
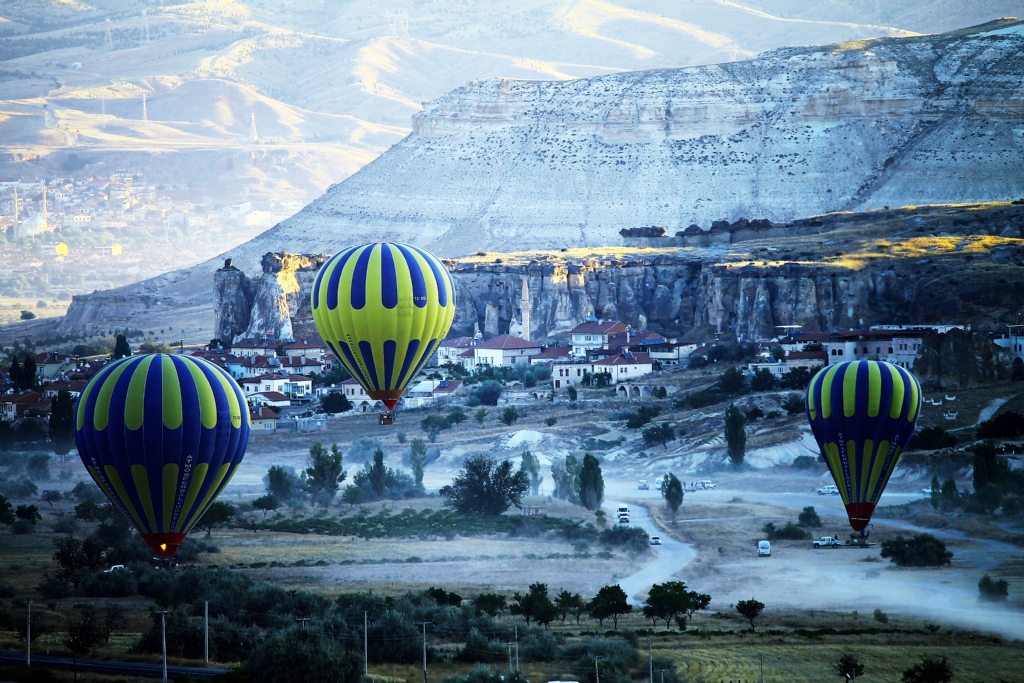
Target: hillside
[{"x": 504, "y": 164}]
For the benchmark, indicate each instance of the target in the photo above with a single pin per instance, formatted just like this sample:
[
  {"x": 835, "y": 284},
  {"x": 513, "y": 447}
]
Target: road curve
[
  {"x": 670, "y": 556},
  {"x": 110, "y": 668}
]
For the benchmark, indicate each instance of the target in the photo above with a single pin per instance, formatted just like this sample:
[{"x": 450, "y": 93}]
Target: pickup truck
[{"x": 827, "y": 542}]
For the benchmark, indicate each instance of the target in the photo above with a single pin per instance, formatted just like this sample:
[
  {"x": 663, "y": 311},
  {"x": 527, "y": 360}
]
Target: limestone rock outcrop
[{"x": 960, "y": 359}]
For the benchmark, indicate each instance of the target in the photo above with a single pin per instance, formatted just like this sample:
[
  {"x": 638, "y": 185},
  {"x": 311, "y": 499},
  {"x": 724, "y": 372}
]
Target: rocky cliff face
[
  {"x": 961, "y": 360},
  {"x": 510, "y": 165},
  {"x": 928, "y": 265}
]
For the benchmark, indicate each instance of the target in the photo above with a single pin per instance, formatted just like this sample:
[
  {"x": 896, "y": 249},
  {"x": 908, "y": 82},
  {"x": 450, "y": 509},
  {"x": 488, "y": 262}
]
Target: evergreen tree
[
  {"x": 324, "y": 473},
  {"x": 566, "y": 476},
  {"x": 735, "y": 436},
  {"x": 591, "y": 484},
  {"x": 62, "y": 423},
  {"x": 418, "y": 459},
  {"x": 531, "y": 463},
  {"x": 121, "y": 348},
  {"x": 673, "y": 493}
]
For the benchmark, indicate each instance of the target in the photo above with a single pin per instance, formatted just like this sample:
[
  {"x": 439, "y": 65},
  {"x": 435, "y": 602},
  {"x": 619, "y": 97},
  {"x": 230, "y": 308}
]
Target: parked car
[
  {"x": 642, "y": 485},
  {"x": 827, "y": 542},
  {"x": 764, "y": 549},
  {"x": 116, "y": 568},
  {"x": 927, "y": 491},
  {"x": 655, "y": 540},
  {"x": 829, "y": 490},
  {"x": 659, "y": 482},
  {"x": 704, "y": 485}
]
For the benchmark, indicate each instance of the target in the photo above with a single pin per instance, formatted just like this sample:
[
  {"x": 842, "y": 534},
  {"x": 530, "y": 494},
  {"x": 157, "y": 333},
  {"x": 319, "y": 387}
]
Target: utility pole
[
  {"x": 302, "y": 620},
  {"x": 206, "y": 631},
  {"x": 510, "y": 656},
  {"x": 28, "y": 625},
  {"x": 517, "y": 647},
  {"x": 761, "y": 657},
  {"x": 163, "y": 640},
  {"x": 424, "y": 624},
  {"x": 366, "y": 645},
  {"x": 650, "y": 657},
  {"x": 597, "y": 672}
]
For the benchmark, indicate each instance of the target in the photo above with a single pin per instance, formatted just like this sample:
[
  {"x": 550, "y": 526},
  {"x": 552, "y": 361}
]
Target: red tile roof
[
  {"x": 599, "y": 327},
  {"x": 448, "y": 386},
  {"x": 507, "y": 341},
  {"x": 458, "y": 343},
  {"x": 633, "y": 358},
  {"x": 273, "y": 395},
  {"x": 303, "y": 344},
  {"x": 261, "y": 413},
  {"x": 807, "y": 355},
  {"x": 553, "y": 353}
]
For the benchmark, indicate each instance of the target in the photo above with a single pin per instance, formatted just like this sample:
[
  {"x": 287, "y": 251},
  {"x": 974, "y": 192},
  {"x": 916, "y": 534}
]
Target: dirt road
[{"x": 671, "y": 555}]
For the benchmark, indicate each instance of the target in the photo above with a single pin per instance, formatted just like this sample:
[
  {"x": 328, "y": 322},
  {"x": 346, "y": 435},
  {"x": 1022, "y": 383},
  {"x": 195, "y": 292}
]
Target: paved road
[
  {"x": 109, "y": 668},
  {"x": 671, "y": 556}
]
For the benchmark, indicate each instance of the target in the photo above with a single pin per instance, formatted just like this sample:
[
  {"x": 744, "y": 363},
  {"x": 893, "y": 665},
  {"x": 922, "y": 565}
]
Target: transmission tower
[
  {"x": 398, "y": 23},
  {"x": 253, "y": 133},
  {"x": 110, "y": 41}
]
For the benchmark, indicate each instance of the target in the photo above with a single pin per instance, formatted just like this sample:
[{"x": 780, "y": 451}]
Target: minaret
[
  {"x": 254, "y": 135},
  {"x": 524, "y": 308},
  {"x": 145, "y": 112}
]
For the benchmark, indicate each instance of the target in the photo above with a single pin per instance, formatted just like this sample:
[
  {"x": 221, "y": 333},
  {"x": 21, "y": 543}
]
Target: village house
[
  {"x": 505, "y": 350},
  {"x": 897, "y": 346},
  {"x": 293, "y": 386},
  {"x": 273, "y": 399},
  {"x": 625, "y": 366},
  {"x": 50, "y": 364},
  {"x": 450, "y": 349},
  {"x": 358, "y": 397},
  {"x": 811, "y": 360},
  {"x": 262, "y": 420},
  {"x": 593, "y": 334}
]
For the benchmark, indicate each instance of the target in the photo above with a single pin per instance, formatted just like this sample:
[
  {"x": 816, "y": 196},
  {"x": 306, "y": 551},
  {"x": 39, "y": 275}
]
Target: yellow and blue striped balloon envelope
[
  {"x": 863, "y": 414},
  {"x": 383, "y": 309},
  {"x": 162, "y": 435}
]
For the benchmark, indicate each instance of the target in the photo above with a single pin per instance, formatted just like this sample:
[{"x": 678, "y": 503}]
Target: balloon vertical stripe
[
  {"x": 862, "y": 414},
  {"x": 148, "y": 428}
]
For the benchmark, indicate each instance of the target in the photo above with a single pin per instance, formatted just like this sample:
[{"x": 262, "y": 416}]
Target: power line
[{"x": 424, "y": 623}]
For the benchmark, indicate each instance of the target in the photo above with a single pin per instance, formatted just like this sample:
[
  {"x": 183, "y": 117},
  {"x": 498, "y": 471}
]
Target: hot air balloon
[
  {"x": 162, "y": 436},
  {"x": 383, "y": 309},
  {"x": 862, "y": 414}
]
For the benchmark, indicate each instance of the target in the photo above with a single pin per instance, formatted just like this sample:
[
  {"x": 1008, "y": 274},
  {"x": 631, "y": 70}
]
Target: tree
[
  {"x": 735, "y": 436},
  {"x": 27, "y": 315},
  {"x": 303, "y": 654},
  {"x": 777, "y": 352},
  {"x": 666, "y": 601},
  {"x": 509, "y": 416},
  {"x": 353, "y": 495},
  {"x": 793, "y": 405},
  {"x": 993, "y": 590},
  {"x": 82, "y": 636},
  {"x": 568, "y": 603},
  {"x": 487, "y": 393},
  {"x": 750, "y": 609},
  {"x": 486, "y": 487},
  {"x": 492, "y": 604},
  {"x": 283, "y": 484},
  {"x": 763, "y": 380},
  {"x": 336, "y": 402},
  {"x": 50, "y": 496},
  {"x": 732, "y": 381},
  {"x": 378, "y": 474},
  {"x": 932, "y": 439},
  {"x": 434, "y": 425},
  {"x": 324, "y": 473},
  {"x": 418, "y": 459},
  {"x": 754, "y": 414},
  {"x": 115, "y": 618},
  {"x": 610, "y": 601},
  {"x": 848, "y": 666},
  {"x": 62, "y": 423},
  {"x": 935, "y": 496},
  {"x": 456, "y": 417},
  {"x": 591, "y": 483},
  {"x": 535, "y": 605},
  {"x": 923, "y": 550},
  {"x": 73, "y": 557},
  {"x": 929, "y": 670},
  {"x": 697, "y": 602},
  {"x": 6, "y": 511},
  {"x": 573, "y": 393},
  {"x": 672, "y": 492},
  {"x": 266, "y": 503},
  {"x": 550, "y": 421},
  {"x": 29, "y": 513},
  {"x": 121, "y": 348},
  {"x": 661, "y": 433},
  {"x": 480, "y": 415},
  {"x": 809, "y": 517},
  {"x": 1008, "y": 425},
  {"x": 566, "y": 476},
  {"x": 218, "y": 514},
  {"x": 531, "y": 463}
]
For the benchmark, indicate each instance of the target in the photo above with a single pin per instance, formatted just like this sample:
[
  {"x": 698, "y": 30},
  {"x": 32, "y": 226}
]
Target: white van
[
  {"x": 764, "y": 549},
  {"x": 623, "y": 510}
]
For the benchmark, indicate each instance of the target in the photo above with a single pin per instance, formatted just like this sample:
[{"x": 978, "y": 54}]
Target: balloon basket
[{"x": 386, "y": 418}]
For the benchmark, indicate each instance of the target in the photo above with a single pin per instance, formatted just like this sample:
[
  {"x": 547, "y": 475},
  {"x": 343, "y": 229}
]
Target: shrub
[
  {"x": 805, "y": 462},
  {"x": 487, "y": 393},
  {"x": 793, "y": 405},
  {"x": 929, "y": 670},
  {"x": 933, "y": 438},
  {"x": 1008, "y": 425},
  {"x": 923, "y": 550},
  {"x": 881, "y": 617},
  {"x": 754, "y": 413},
  {"x": 336, "y": 402},
  {"x": 790, "y": 532},
  {"x": 992, "y": 590},
  {"x": 631, "y": 539},
  {"x": 809, "y": 517}
]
